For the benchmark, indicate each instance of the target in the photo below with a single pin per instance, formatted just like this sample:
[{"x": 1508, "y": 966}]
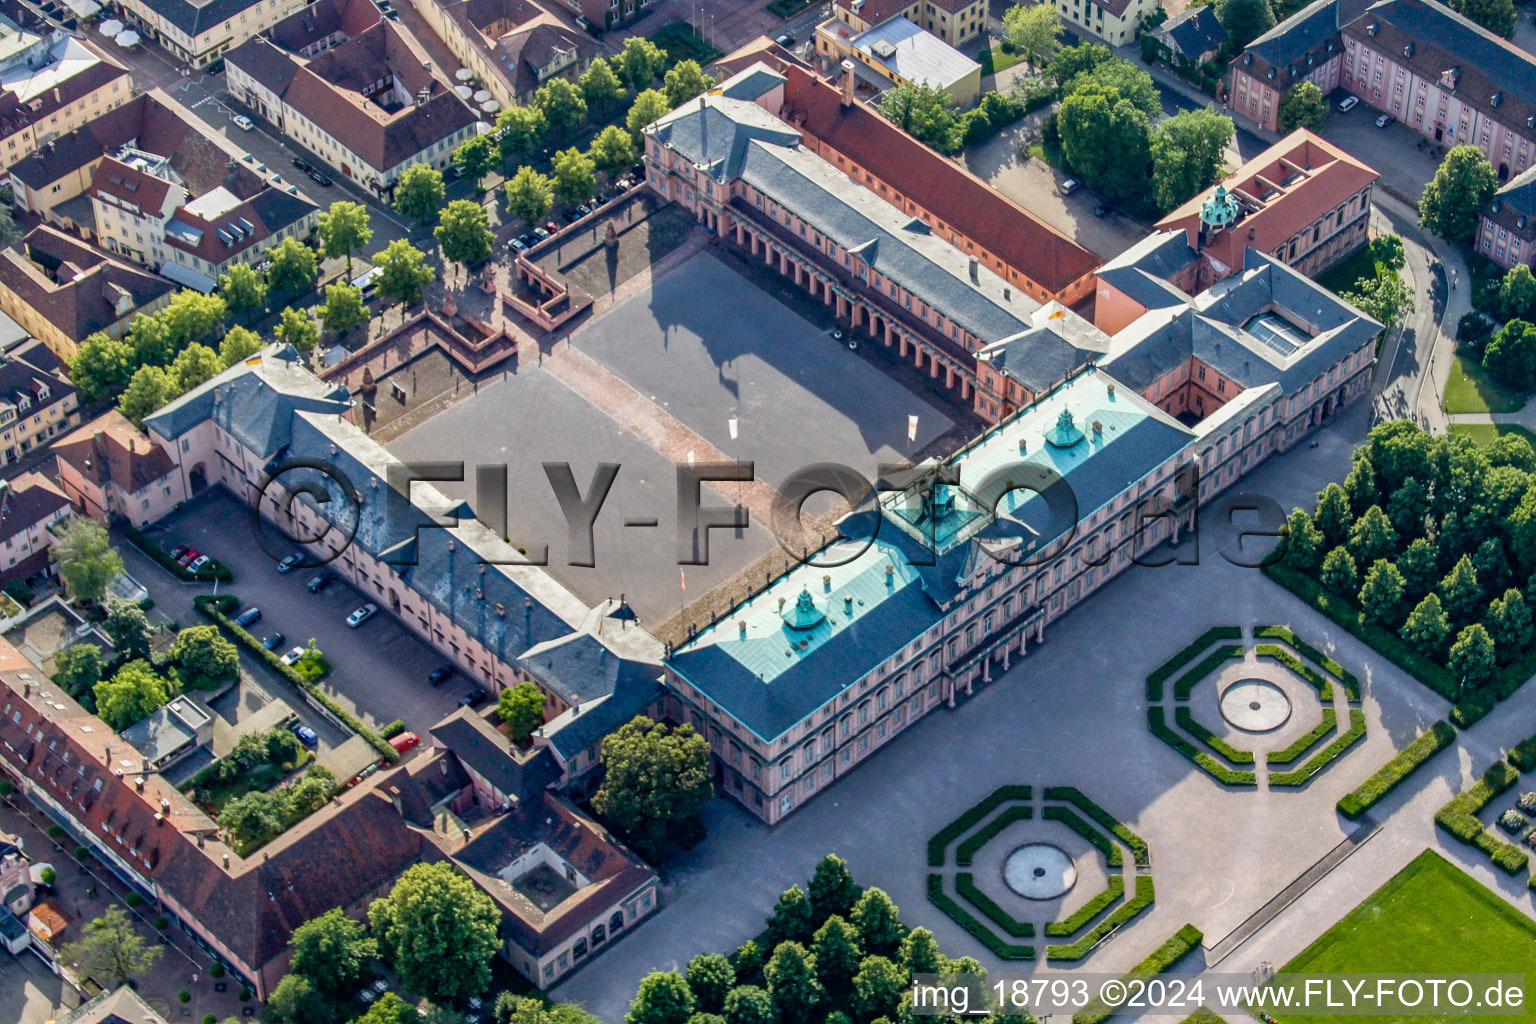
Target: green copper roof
[
  {"x": 1221, "y": 209},
  {"x": 1065, "y": 433},
  {"x": 804, "y": 613}
]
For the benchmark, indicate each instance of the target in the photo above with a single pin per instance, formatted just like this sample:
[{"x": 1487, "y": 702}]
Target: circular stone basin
[
  {"x": 1039, "y": 871},
  {"x": 1255, "y": 705}
]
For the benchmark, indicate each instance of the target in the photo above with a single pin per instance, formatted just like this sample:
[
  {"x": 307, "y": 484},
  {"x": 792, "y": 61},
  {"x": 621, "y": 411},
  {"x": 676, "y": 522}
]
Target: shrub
[
  {"x": 1218, "y": 771},
  {"x": 1402, "y": 764},
  {"x": 1186, "y": 720},
  {"x": 1088, "y": 911},
  {"x": 1137, "y": 844},
  {"x": 1207, "y": 665},
  {"x": 1127, "y": 910},
  {"x": 134, "y": 900},
  {"x": 1166, "y": 670},
  {"x": 393, "y": 729},
  {"x": 986, "y": 936},
  {"x": 54, "y": 831},
  {"x": 162, "y": 923},
  {"x": 183, "y": 997},
  {"x": 82, "y": 852},
  {"x": 209, "y": 1018},
  {"x": 1304, "y": 743},
  {"x": 1112, "y": 855},
  {"x": 1327, "y": 664},
  {"x": 966, "y": 850},
  {"x": 244, "y": 995},
  {"x": 1472, "y": 708},
  {"x": 949, "y": 833},
  {"x": 1341, "y": 743},
  {"x": 1527, "y": 803},
  {"x": 1459, "y": 818},
  {"x": 1513, "y": 822},
  {"x": 1161, "y": 959},
  {"x": 965, "y": 885},
  {"x": 1523, "y": 754},
  {"x": 216, "y": 970},
  {"x": 1323, "y": 687}
]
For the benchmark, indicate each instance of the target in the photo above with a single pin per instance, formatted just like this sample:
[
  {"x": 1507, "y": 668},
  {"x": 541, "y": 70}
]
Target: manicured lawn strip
[
  {"x": 1403, "y": 764},
  {"x": 966, "y": 850},
  {"x": 965, "y": 885},
  {"x": 218, "y": 609},
  {"x": 1090, "y": 910},
  {"x": 1112, "y": 855},
  {"x": 1163, "y": 672},
  {"x": 1207, "y": 665},
  {"x": 1353, "y": 735},
  {"x": 1430, "y": 918},
  {"x": 1186, "y": 719},
  {"x": 1220, "y": 772},
  {"x": 1327, "y": 664},
  {"x": 214, "y": 570},
  {"x": 1164, "y": 958},
  {"x": 1072, "y": 795},
  {"x": 1486, "y": 433},
  {"x": 1471, "y": 388},
  {"x": 1315, "y": 680},
  {"x": 1305, "y": 742},
  {"x": 949, "y": 833},
  {"x": 1459, "y": 818},
  {"x": 986, "y": 936},
  {"x": 1123, "y": 913}
]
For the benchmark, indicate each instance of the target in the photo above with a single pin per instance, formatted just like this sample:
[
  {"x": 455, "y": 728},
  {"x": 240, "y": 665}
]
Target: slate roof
[
  {"x": 1513, "y": 207},
  {"x": 520, "y": 775},
  {"x": 1143, "y": 271},
  {"x": 196, "y": 18},
  {"x": 578, "y": 667},
  {"x": 25, "y": 371},
  {"x": 1192, "y": 32},
  {"x": 1047, "y": 353},
  {"x": 95, "y": 291},
  {"x": 27, "y": 500},
  {"x": 521, "y": 52}
]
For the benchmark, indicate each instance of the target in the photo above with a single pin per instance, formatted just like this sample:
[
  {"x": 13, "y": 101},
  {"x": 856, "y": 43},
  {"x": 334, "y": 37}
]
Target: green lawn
[
  {"x": 996, "y": 59},
  {"x": 1344, "y": 275},
  {"x": 1431, "y": 918},
  {"x": 681, "y": 43},
  {"x": 1482, "y": 433},
  {"x": 1470, "y": 388}
]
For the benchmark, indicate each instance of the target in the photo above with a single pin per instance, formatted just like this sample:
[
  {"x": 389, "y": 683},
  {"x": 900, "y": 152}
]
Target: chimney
[
  {"x": 975, "y": 270},
  {"x": 26, "y": 689},
  {"x": 226, "y": 862},
  {"x": 145, "y": 763},
  {"x": 847, "y": 606},
  {"x": 847, "y": 80},
  {"x": 826, "y": 583},
  {"x": 741, "y": 624},
  {"x": 1098, "y": 428}
]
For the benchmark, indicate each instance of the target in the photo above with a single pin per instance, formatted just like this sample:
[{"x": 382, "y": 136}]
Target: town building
[
  {"x": 370, "y": 104},
  {"x": 109, "y": 469},
  {"x": 896, "y": 52},
  {"x": 955, "y": 22},
  {"x": 1440, "y": 74},
  {"x": 62, "y": 291},
  {"x": 50, "y": 82},
  {"x": 113, "y": 1006},
  {"x": 1506, "y": 227},
  {"x": 1304, "y": 200},
  {"x": 170, "y": 732},
  {"x": 199, "y": 32},
  {"x": 37, "y": 401},
  {"x": 604, "y": 13},
  {"x": 31, "y": 505},
  {"x": 1114, "y": 21},
  {"x": 511, "y": 46},
  {"x": 1191, "y": 38}
]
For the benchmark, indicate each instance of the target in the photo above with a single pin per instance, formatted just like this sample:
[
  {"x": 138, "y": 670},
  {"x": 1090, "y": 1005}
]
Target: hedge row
[
  {"x": 1320, "y": 760},
  {"x": 1123, "y": 913},
  {"x": 1472, "y": 708},
  {"x": 1315, "y": 679},
  {"x": 1218, "y": 771},
  {"x": 1137, "y": 844},
  {"x": 1208, "y": 665},
  {"x": 1161, "y": 674},
  {"x": 218, "y": 609},
  {"x": 1523, "y": 754},
  {"x": 1163, "y": 958},
  {"x": 1371, "y": 792},
  {"x": 965, "y": 885},
  {"x": 1304, "y": 743},
  {"x": 1186, "y": 720},
  {"x": 1459, "y": 818},
  {"x": 949, "y": 833},
  {"x": 214, "y": 570},
  {"x": 966, "y": 850},
  {"x": 1112, "y": 855},
  {"x": 1351, "y": 684},
  {"x": 1090, "y": 910},
  {"x": 986, "y": 936}
]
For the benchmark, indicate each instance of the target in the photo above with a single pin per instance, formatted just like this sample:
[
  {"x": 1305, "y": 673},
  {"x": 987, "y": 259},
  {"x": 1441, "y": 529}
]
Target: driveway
[{"x": 1393, "y": 151}]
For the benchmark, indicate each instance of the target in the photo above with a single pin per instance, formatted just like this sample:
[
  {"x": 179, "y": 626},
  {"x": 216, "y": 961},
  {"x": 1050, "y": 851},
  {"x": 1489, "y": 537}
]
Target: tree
[
  {"x": 191, "y": 316},
  {"x": 1186, "y": 153},
  {"x": 151, "y": 340},
  {"x": 1407, "y": 507},
  {"x": 748, "y": 960},
  {"x": 600, "y": 86},
  {"x": 1303, "y": 541},
  {"x": 1334, "y": 516},
  {"x": 476, "y": 157},
  {"x": 1497, "y": 16},
  {"x": 685, "y": 80},
  {"x": 529, "y": 194},
  {"x": 792, "y": 984},
  {"x": 334, "y": 952},
  {"x": 648, "y": 106},
  {"x": 1372, "y": 536},
  {"x": 102, "y": 366},
  {"x": 77, "y": 668},
  {"x": 877, "y": 988},
  {"x": 1381, "y": 598},
  {"x": 514, "y": 1009},
  {"x": 832, "y": 889},
  {"x": 344, "y": 229},
  {"x": 1302, "y": 106},
  {"x": 1338, "y": 573},
  {"x": 1385, "y": 298},
  {"x": 792, "y": 917},
  {"x": 575, "y": 178},
  {"x": 1388, "y": 251},
  {"x": 439, "y": 932},
  {"x": 1106, "y": 140},
  {"x": 111, "y": 951},
  {"x": 1132, "y": 83},
  {"x": 613, "y": 150},
  {"x": 128, "y": 628},
  {"x": 1460, "y": 591},
  {"x": 293, "y": 267},
  {"x": 297, "y": 329},
  {"x": 465, "y": 231},
  {"x": 239, "y": 344},
  {"x": 1509, "y": 623},
  {"x": 920, "y": 953},
  {"x": 131, "y": 694},
  {"x": 1511, "y": 355},
  {"x": 1464, "y": 181},
  {"x": 86, "y": 559},
  {"x": 640, "y": 62},
  {"x": 1032, "y": 31},
  {"x": 244, "y": 289},
  {"x": 922, "y": 111},
  {"x": 1517, "y": 293},
  {"x": 1071, "y": 61},
  {"x": 404, "y": 273},
  {"x": 10, "y": 234},
  {"x": 194, "y": 365},
  {"x": 710, "y": 978},
  {"x": 663, "y": 998},
  {"x": 655, "y": 778},
  {"x": 295, "y": 1001},
  {"x": 522, "y": 709},
  {"x": 149, "y": 389},
  {"x": 879, "y": 925},
  {"x": 1419, "y": 567},
  {"x": 562, "y": 104},
  {"x": 419, "y": 192},
  {"x": 1427, "y": 627},
  {"x": 206, "y": 657},
  {"x": 838, "y": 952},
  {"x": 389, "y": 1009},
  {"x": 748, "y": 1004},
  {"x": 343, "y": 309},
  {"x": 1245, "y": 20},
  {"x": 1473, "y": 659},
  {"x": 518, "y": 131}
]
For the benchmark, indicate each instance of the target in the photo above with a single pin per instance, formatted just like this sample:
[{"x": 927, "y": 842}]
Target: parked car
[
  {"x": 404, "y": 741},
  {"x": 320, "y": 581},
  {"x": 519, "y": 245},
  {"x": 1103, "y": 210},
  {"x": 1348, "y": 103},
  {"x": 248, "y": 616},
  {"x": 320, "y": 179},
  {"x": 187, "y": 555},
  {"x": 302, "y": 164},
  {"x": 453, "y": 172},
  {"x": 292, "y": 657},
  {"x": 571, "y": 215},
  {"x": 540, "y": 234},
  {"x": 198, "y": 562},
  {"x": 289, "y": 561},
  {"x": 440, "y": 675},
  {"x": 1070, "y": 185},
  {"x": 474, "y": 698},
  {"x": 305, "y": 734},
  {"x": 362, "y": 615},
  {"x": 1384, "y": 120},
  {"x": 586, "y": 208},
  {"x": 179, "y": 550},
  {"x": 244, "y": 123},
  {"x": 273, "y": 642}
]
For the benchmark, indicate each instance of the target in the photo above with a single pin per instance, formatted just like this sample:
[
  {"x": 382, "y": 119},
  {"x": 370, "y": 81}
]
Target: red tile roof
[{"x": 109, "y": 449}]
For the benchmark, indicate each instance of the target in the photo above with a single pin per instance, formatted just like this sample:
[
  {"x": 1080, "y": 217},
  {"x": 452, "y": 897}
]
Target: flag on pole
[
  {"x": 1057, "y": 315},
  {"x": 732, "y": 424},
  {"x": 911, "y": 428},
  {"x": 682, "y": 579}
]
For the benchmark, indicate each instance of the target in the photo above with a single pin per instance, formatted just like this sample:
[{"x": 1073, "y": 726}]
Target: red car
[
  {"x": 189, "y": 556},
  {"x": 405, "y": 741}
]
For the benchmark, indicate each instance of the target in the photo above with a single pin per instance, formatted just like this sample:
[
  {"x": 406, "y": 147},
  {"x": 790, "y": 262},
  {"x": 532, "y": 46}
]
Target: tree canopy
[
  {"x": 86, "y": 559},
  {"x": 655, "y": 778},
  {"x": 464, "y": 230},
  {"x": 1463, "y": 182},
  {"x": 1302, "y": 106},
  {"x": 438, "y": 931},
  {"x": 111, "y": 951},
  {"x": 419, "y": 192}
]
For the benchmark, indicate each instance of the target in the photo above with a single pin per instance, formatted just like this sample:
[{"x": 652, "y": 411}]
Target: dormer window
[
  {"x": 1497, "y": 205},
  {"x": 1408, "y": 50},
  {"x": 1372, "y": 29},
  {"x": 1247, "y": 58},
  {"x": 43, "y": 393},
  {"x": 23, "y": 403},
  {"x": 1448, "y": 78},
  {"x": 1496, "y": 99}
]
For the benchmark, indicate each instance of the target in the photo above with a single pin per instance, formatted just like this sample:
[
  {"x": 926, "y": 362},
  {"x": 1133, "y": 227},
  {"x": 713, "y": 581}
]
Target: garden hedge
[
  {"x": 1164, "y": 958},
  {"x": 1123, "y": 913},
  {"x": 1075, "y": 796},
  {"x": 1220, "y": 772},
  {"x": 966, "y": 850},
  {"x": 1459, "y": 818},
  {"x": 1088, "y": 911},
  {"x": 214, "y": 570},
  {"x": 1315, "y": 679},
  {"x": 1161, "y": 674},
  {"x": 1111, "y": 852},
  {"x": 949, "y": 833},
  {"x": 1208, "y": 664},
  {"x": 965, "y": 885},
  {"x": 1523, "y": 754},
  {"x": 1304, "y": 742},
  {"x": 1320, "y": 760},
  {"x": 986, "y": 936},
  {"x": 1186, "y": 720},
  {"x": 1402, "y": 764},
  {"x": 1351, "y": 684}
]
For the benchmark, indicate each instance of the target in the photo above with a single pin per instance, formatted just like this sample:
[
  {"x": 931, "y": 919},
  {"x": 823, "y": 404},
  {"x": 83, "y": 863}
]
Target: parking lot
[
  {"x": 379, "y": 669},
  {"x": 1393, "y": 151}
]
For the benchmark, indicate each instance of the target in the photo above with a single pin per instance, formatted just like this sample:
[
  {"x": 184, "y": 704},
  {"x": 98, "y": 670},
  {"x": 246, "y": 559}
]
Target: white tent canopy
[
  {"x": 127, "y": 39},
  {"x": 111, "y": 27}
]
